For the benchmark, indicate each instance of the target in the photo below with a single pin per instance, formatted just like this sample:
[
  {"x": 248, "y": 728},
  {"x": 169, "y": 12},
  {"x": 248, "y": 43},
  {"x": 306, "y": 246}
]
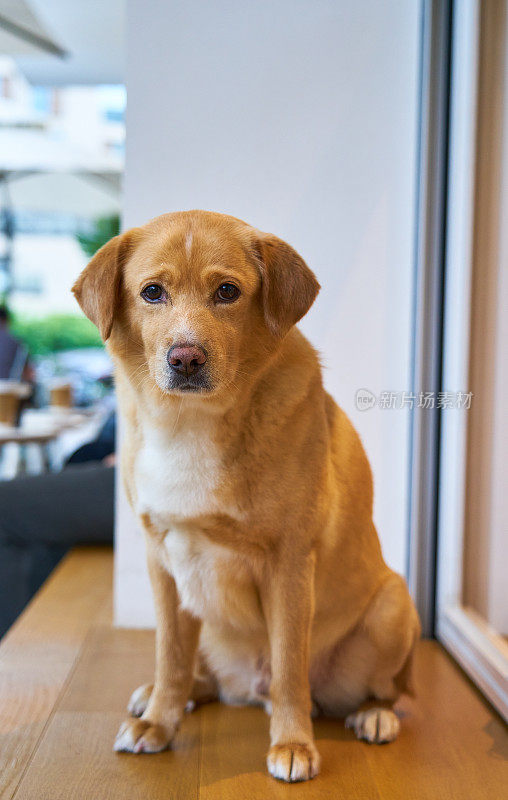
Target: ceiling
[{"x": 91, "y": 32}]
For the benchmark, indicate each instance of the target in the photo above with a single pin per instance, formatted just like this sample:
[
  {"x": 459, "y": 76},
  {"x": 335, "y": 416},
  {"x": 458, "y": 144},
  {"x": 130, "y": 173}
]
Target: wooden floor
[{"x": 66, "y": 674}]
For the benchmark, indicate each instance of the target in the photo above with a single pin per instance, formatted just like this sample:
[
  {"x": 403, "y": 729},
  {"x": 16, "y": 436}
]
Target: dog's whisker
[{"x": 177, "y": 417}]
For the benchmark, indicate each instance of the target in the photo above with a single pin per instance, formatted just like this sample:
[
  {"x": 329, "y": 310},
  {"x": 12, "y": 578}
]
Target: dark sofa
[{"x": 41, "y": 518}]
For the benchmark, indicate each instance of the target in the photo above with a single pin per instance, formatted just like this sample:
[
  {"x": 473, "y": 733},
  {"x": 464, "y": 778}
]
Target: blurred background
[
  {"x": 62, "y": 152},
  {"x": 371, "y": 136}
]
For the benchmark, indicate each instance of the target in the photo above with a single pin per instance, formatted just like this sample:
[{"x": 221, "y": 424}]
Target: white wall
[{"x": 299, "y": 116}]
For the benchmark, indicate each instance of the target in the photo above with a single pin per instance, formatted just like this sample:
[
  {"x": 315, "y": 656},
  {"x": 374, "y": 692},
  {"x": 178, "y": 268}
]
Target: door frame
[
  {"x": 481, "y": 652},
  {"x": 430, "y": 253}
]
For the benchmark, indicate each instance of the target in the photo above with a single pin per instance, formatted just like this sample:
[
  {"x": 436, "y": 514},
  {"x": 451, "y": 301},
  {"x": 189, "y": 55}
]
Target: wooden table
[
  {"x": 41, "y": 428},
  {"x": 66, "y": 674},
  {"x": 24, "y": 438}
]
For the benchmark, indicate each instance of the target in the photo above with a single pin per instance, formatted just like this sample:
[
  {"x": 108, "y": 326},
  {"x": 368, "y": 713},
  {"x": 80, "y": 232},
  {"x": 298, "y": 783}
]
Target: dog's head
[{"x": 195, "y": 299}]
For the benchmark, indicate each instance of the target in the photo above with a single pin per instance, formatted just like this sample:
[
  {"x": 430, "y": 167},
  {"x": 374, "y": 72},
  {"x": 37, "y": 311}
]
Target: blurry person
[
  {"x": 13, "y": 354},
  {"x": 102, "y": 448}
]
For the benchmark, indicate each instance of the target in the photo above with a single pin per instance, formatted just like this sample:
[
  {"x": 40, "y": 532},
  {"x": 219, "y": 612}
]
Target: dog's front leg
[
  {"x": 176, "y": 643},
  {"x": 287, "y": 596}
]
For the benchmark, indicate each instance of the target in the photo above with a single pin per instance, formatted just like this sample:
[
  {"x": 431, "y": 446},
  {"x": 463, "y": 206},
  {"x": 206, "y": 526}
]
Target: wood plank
[
  {"x": 234, "y": 746},
  {"x": 39, "y": 652},
  {"x": 75, "y": 761},
  {"x": 452, "y": 744},
  {"x": 75, "y": 758},
  {"x": 66, "y": 675}
]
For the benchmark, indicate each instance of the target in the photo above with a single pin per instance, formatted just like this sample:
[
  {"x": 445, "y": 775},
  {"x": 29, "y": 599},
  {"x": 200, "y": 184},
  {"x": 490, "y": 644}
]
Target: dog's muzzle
[{"x": 187, "y": 368}]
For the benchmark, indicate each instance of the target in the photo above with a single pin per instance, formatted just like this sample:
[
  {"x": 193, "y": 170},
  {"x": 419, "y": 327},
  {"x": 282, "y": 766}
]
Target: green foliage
[
  {"x": 55, "y": 332},
  {"x": 104, "y": 230},
  {"x": 58, "y": 332}
]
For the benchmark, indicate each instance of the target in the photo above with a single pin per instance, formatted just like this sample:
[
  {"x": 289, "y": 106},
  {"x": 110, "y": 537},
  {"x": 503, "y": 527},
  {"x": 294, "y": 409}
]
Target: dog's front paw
[
  {"x": 376, "y": 725},
  {"x": 142, "y": 736},
  {"x": 293, "y": 762}
]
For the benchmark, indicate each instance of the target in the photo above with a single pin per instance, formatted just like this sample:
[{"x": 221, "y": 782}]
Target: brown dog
[{"x": 253, "y": 489}]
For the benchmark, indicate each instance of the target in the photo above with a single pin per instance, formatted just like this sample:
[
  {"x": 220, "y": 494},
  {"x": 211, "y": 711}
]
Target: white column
[{"x": 299, "y": 116}]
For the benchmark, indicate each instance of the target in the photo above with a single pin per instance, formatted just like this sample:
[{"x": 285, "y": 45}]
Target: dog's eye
[
  {"x": 226, "y": 293},
  {"x": 153, "y": 293}
]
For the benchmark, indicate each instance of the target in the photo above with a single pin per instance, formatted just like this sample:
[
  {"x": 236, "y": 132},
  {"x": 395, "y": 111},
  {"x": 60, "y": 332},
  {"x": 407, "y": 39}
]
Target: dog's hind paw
[
  {"x": 139, "y": 700},
  {"x": 375, "y": 725}
]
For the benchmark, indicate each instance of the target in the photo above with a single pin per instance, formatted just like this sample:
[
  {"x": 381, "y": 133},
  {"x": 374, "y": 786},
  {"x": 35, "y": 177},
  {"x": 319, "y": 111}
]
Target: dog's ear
[
  {"x": 289, "y": 287},
  {"x": 98, "y": 287}
]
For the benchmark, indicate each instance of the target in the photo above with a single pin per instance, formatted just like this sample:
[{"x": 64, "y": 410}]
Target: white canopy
[
  {"x": 81, "y": 194},
  {"x": 22, "y": 33},
  {"x": 31, "y": 150}
]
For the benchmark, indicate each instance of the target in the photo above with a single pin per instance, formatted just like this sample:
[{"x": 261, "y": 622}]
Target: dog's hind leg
[
  {"x": 364, "y": 674},
  {"x": 204, "y": 690}
]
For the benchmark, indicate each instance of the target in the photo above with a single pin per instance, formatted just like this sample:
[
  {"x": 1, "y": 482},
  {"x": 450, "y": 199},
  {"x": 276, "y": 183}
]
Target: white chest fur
[
  {"x": 213, "y": 582},
  {"x": 177, "y": 473}
]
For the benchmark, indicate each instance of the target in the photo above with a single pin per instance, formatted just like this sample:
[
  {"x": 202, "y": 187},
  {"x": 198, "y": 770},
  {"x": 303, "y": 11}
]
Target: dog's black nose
[{"x": 186, "y": 359}]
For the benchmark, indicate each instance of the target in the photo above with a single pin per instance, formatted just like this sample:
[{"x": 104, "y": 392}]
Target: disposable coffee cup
[
  {"x": 11, "y": 395},
  {"x": 60, "y": 394}
]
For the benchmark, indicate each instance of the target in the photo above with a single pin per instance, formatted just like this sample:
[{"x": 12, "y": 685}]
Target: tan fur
[{"x": 255, "y": 494}]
